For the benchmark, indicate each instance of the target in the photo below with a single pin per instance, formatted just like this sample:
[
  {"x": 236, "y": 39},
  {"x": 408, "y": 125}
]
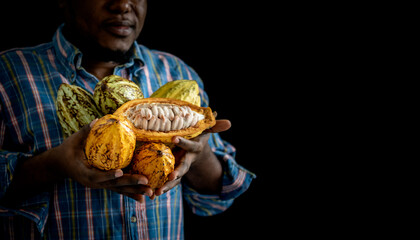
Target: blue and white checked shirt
[{"x": 29, "y": 79}]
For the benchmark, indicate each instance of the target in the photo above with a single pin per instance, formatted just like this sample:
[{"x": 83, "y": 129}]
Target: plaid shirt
[{"x": 29, "y": 79}]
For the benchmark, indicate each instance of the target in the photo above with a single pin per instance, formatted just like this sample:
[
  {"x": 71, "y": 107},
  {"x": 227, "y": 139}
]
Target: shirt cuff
[
  {"x": 236, "y": 180},
  {"x": 203, "y": 204},
  {"x": 34, "y": 208}
]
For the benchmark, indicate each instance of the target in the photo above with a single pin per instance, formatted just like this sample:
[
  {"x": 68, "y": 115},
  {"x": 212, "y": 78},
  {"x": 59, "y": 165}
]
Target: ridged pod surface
[
  {"x": 155, "y": 161},
  {"x": 110, "y": 143},
  {"x": 75, "y": 108},
  {"x": 160, "y": 119},
  {"x": 186, "y": 90},
  {"x": 113, "y": 91}
]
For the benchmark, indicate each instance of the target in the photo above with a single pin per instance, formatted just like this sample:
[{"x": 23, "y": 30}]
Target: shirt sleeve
[
  {"x": 236, "y": 180},
  {"x": 34, "y": 208}
]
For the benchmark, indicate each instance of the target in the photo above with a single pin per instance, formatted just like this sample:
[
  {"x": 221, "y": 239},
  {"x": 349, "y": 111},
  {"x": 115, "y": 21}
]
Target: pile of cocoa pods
[{"x": 133, "y": 132}]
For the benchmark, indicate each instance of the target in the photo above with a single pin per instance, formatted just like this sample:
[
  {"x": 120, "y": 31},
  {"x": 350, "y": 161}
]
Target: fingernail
[
  {"x": 93, "y": 122},
  {"x": 176, "y": 140},
  {"x": 119, "y": 173},
  {"x": 142, "y": 181},
  {"x": 163, "y": 191},
  {"x": 171, "y": 177}
]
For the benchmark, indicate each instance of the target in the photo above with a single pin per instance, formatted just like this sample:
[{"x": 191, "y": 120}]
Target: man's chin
[{"x": 106, "y": 54}]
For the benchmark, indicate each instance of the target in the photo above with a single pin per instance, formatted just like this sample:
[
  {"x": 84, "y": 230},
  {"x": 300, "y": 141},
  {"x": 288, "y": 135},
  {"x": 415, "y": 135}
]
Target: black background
[
  {"x": 280, "y": 74},
  {"x": 230, "y": 45}
]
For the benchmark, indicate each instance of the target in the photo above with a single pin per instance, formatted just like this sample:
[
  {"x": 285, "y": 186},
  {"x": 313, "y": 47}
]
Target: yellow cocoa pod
[
  {"x": 110, "y": 143},
  {"x": 186, "y": 90},
  {"x": 160, "y": 119},
  {"x": 155, "y": 161}
]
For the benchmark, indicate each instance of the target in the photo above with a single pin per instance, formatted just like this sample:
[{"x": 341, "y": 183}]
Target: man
[{"x": 47, "y": 189}]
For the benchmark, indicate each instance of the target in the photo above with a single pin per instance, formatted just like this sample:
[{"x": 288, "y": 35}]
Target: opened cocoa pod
[{"x": 160, "y": 119}]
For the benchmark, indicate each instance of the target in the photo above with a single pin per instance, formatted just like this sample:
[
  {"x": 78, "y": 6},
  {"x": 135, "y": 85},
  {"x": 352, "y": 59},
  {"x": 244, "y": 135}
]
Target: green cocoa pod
[
  {"x": 75, "y": 108},
  {"x": 113, "y": 91},
  {"x": 186, "y": 90}
]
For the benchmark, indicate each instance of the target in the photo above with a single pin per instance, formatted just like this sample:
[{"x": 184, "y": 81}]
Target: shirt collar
[{"x": 71, "y": 56}]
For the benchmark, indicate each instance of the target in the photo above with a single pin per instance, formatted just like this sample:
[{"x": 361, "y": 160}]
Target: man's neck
[
  {"x": 97, "y": 60},
  {"x": 99, "y": 69}
]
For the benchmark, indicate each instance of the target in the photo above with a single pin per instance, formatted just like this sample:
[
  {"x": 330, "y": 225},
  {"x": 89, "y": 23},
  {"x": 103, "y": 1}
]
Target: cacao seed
[
  {"x": 188, "y": 120},
  {"x": 142, "y": 114}
]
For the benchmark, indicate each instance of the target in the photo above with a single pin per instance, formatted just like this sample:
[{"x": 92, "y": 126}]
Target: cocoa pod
[
  {"x": 75, "y": 108},
  {"x": 160, "y": 119},
  {"x": 110, "y": 143},
  {"x": 186, "y": 90},
  {"x": 113, "y": 91},
  {"x": 155, "y": 161}
]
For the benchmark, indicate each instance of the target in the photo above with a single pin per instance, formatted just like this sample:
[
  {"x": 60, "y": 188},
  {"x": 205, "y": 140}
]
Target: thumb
[
  {"x": 82, "y": 134},
  {"x": 86, "y": 129},
  {"x": 220, "y": 126},
  {"x": 92, "y": 123}
]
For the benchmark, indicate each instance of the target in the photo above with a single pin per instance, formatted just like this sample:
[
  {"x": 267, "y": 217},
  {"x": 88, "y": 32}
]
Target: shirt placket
[{"x": 136, "y": 219}]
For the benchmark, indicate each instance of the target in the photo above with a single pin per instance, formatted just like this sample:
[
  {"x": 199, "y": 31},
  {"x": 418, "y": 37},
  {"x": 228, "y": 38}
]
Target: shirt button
[{"x": 133, "y": 219}]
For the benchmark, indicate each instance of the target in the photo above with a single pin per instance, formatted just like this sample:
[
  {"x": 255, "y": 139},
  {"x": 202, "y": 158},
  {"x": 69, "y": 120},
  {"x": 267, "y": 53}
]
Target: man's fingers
[
  {"x": 134, "y": 189},
  {"x": 167, "y": 186},
  {"x": 92, "y": 123},
  {"x": 126, "y": 180},
  {"x": 91, "y": 176},
  {"x": 86, "y": 129},
  {"x": 189, "y": 145},
  {"x": 220, "y": 126},
  {"x": 137, "y": 197},
  {"x": 79, "y": 137},
  {"x": 180, "y": 169}
]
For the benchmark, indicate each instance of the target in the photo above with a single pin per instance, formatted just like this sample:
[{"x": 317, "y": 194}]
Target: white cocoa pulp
[{"x": 162, "y": 117}]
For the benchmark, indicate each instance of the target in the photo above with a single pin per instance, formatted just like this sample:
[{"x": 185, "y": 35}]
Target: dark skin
[{"x": 112, "y": 26}]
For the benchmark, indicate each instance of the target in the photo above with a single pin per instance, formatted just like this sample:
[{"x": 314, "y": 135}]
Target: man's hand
[
  {"x": 40, "y": 172},
  {"x": 197, "y": 162},
  {"x": 71, "y": 162}
]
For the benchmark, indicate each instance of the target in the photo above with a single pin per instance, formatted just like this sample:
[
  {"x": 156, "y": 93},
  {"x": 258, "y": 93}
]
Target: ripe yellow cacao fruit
[
  {"x": 113, "y": 91},
  {"x": 155, "y": 161},
  {"x": 186, "y": 90},
  {"x": 160, "y": 119},
  {"x": 110, "y": 143},
  {"x": 75, "y": 108}
]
